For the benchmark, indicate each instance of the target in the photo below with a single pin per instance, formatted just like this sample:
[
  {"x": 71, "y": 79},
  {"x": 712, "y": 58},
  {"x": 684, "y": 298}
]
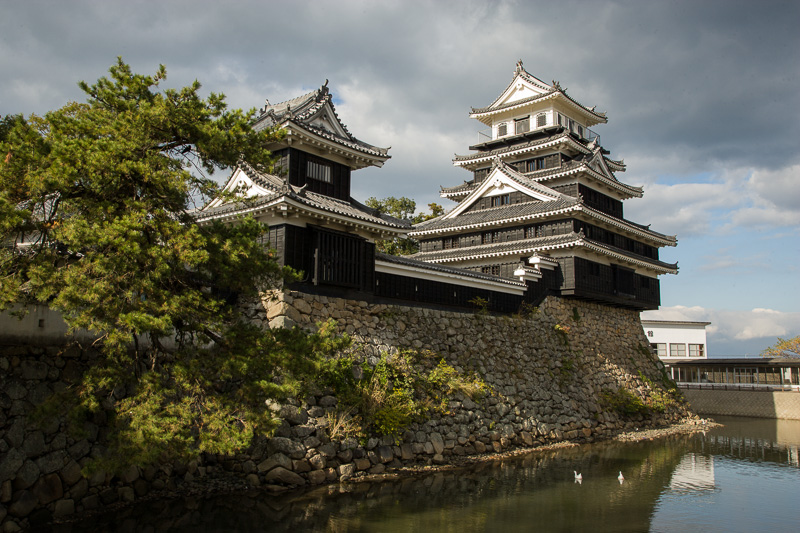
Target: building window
[
  {"x": 560, "y": 119},
  {"x": 541, "y": 120},
  {"x": 580, "y": 131},
  {"x": 489, "y": 237},
  {"x": 450, "y": 242},
  {"x": 660, "y": 348},
  {"x": 677, "y": 350},
  {"x": 502, "y": 130},
  {"x": 522, "y": 125},
  {"x": 503, "y": 199},
  {"x": 318, "y": 171},
  {"x": 493, "y": 270},
  {"x": 697, "y": 350}
]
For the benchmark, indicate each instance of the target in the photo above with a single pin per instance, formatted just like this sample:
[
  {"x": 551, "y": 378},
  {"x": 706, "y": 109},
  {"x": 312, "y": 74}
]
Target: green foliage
[
  {"x": 566, "y": 371},
  {"x": 664, "y": 396},
  {"x": 103, "y": 193},
  {"x": 481, "y": 305},
  {"x": 400, "y": 389},
  {"x": 784, "y": 348},
  {"x": 526, "y": 310},
  {"x": 563, "y": 333},
  {"x": 576, "y": 316},
  {"x": 624, "y": 402},
  {"x": 402, "y": 208}
]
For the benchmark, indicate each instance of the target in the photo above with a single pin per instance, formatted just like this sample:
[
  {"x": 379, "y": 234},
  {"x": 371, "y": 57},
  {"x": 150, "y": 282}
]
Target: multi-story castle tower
[{"x": 544, "y": 205}]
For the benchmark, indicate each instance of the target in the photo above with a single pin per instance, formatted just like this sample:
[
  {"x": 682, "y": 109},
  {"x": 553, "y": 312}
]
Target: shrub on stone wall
[{"x": 384, "y": 398}]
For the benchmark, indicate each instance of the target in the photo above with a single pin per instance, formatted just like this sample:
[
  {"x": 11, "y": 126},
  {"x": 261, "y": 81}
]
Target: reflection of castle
[{"x": 694, "y": 473}]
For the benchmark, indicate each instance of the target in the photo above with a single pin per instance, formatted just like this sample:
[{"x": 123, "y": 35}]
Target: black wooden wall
[{"x": 294, "y": 162}]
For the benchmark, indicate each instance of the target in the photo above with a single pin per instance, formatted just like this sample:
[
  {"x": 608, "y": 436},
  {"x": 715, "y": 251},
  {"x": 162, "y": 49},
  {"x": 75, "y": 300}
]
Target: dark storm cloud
[{"x": 703, "y": 84}]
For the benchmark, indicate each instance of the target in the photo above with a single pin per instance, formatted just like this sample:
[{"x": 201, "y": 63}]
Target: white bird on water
[
  {"x": 620, "y": 477},
  {"x": 578, "y": 477}
]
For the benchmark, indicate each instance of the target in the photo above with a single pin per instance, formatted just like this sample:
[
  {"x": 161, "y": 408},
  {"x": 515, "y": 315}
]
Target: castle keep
[{"x": 544, "y": 205}]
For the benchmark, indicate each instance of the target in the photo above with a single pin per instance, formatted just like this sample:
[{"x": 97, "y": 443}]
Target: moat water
[{"x": 744, "y": 476}]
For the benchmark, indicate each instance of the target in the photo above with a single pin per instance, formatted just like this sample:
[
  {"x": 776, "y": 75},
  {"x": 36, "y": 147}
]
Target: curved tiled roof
[
  {"x": 551, "y": 91},
  {"x": 520, "y": 247},
  {"x": 552, "y": 139},
  {"x": 279, "y": 189},
  {"x": 408, "y": 261},
  {"x": 574, "y": 165},
  {"x": 301, "y": 110},
  {"x": 538, "y": 244},
  {"x": 505, "y": 213},
  {"x": 351, "y": 142},
  {"x": 613, "y": 250}
]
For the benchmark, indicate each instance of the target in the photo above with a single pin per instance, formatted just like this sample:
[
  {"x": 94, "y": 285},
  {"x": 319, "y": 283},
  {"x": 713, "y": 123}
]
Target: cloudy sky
[{"x": 702, "y": 99}]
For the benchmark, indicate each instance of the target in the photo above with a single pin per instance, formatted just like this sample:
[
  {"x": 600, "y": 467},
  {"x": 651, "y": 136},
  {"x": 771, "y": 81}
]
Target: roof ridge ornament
[
  {"x": 285, "y": 188},
  {"x": 519, "y": 69},
  {"x": 557, "y": 86}
]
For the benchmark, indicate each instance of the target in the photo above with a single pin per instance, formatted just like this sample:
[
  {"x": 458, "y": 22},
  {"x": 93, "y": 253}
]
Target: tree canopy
[
  {"x": 404, "y": 209},
  {"x": 96, "y": 220},
  {"x": 784, "y": 348}
]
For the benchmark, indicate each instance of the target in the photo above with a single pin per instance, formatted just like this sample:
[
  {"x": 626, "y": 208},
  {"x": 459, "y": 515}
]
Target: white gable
[
  {"x": 325, "y": 119},
  {"x": 241, "y": 184},
  {"x": 519, "y": 90},
  {"x": 497, "y": 183}
]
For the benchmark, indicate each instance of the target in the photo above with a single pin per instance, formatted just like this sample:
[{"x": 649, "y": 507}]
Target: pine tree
[{"x": 96, "y": 221}]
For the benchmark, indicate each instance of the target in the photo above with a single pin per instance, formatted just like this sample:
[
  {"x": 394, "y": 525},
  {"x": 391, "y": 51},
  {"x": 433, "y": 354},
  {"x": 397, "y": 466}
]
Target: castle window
[
  {"x": 503, "y": 199},
  {"x": 318, "y": 171},
  {"x": 522, "y": 125},
  {"x": 492, "y": 270},
  {"x": 541, "y": 120},
  {"x": 502, "y": 130},
  {"x": 580, "y": 130},
  {"x": 450, "y": 242}
]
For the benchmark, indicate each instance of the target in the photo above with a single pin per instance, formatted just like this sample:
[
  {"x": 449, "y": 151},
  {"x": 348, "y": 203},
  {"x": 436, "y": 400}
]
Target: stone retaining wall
[{"x": 547, "y": 384}]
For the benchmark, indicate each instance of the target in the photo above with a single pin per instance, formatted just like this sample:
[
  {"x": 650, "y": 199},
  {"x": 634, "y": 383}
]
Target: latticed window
[
  {"x": 502, "y": 130},
  {"x": 677, "y": 349},
  {"x": 541, "y": 120},
  {"x": 503, "y": 199},
  {"x": 696, "y": 350},
  {"x": 340, "y": 259},
  {"x": 493, "y": 270},
  {"x": 318, "y": 171},
  {"x": 522, "y": 125},
  {"x": 660, "y": 348},
  {"x": 450, "y": 242}
]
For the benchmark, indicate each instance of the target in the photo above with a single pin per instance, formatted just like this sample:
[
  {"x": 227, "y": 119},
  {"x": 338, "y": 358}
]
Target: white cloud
[
  {"x": 684, "y": 208},
  {"x": 751, "y": 198},
  {"x": 730, "y": 328}
]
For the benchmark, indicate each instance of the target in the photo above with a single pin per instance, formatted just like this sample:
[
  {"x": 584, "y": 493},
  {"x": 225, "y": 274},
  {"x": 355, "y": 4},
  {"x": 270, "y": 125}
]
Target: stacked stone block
[{"x": 546, "y": 387}]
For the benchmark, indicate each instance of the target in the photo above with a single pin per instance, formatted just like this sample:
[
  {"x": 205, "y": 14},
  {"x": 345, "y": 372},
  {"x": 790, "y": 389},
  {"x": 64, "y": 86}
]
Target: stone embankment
[{"x": 550, "y": 373}]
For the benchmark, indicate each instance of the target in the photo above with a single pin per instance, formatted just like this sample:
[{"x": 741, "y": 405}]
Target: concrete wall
[
  {"x": 38, "y": 326},
  {"x": 762, "y": 404}
]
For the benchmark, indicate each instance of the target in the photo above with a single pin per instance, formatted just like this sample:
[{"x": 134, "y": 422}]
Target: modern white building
[{"x": 675, "y": 340}]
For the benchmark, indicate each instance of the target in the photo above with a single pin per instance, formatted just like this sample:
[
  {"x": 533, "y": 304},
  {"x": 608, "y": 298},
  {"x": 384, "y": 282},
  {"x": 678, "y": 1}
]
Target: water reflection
[{"x": 671, "y": 484}]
